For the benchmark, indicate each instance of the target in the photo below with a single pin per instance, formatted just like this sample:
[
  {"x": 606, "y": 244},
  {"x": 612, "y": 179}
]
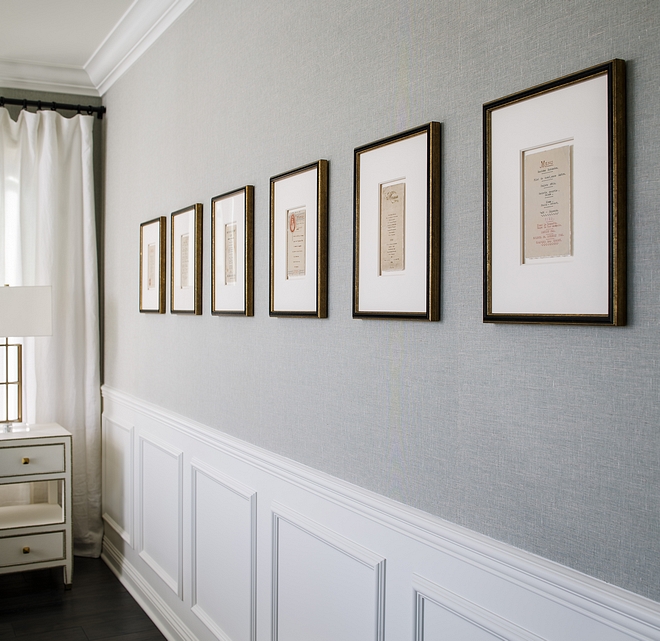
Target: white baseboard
[
  {"x": 166, "y": 620},
  {"x": 529, "y": 596}
]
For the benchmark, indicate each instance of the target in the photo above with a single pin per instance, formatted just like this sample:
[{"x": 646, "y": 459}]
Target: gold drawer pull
[
  {"x": 25, "y": 460},
  {"x": 26, "y": 550}
]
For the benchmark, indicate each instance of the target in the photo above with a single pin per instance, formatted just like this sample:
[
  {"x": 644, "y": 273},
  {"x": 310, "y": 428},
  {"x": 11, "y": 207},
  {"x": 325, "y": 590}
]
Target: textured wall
[{"x": 545, "y": 437}]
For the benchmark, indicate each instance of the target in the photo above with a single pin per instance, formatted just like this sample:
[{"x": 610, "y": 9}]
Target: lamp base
[{"x": 14, "y": 428}]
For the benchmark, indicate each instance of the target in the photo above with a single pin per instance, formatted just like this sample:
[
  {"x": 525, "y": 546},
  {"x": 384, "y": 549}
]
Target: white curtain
[{"x": 48, "y": 237}]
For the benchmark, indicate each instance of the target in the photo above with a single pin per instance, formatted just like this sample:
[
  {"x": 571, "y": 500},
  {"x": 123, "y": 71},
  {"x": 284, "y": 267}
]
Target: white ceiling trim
[
  {"x": 142, "y": 24},
  {"x": 20, "y": 74}
]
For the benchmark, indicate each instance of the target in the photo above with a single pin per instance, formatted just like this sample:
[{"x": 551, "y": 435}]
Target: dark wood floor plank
[
  {"x": 34, "y": 606},
  {"x": 70, "y": 634},
  {"x": 118, "y": 626},
  {"x": 137, "y": 636},
  {"x": 58, "y": 618},
  {"x": 78, "y": 605}
]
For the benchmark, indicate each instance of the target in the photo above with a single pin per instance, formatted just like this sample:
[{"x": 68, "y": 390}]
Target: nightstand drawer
[
  {"x": 31, "y": 459},
  {"x": 31, "y": 548}
]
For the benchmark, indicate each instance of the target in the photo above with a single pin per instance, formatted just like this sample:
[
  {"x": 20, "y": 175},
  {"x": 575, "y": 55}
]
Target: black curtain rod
[{"x": 53, "y": 106}]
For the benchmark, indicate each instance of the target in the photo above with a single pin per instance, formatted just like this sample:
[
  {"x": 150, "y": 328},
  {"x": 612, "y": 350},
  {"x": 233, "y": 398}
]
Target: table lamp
[{"x": 24, "y": 311}]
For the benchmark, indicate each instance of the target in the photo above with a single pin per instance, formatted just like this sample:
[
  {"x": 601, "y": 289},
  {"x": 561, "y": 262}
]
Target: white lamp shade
[{"x": 25, "y": 311}]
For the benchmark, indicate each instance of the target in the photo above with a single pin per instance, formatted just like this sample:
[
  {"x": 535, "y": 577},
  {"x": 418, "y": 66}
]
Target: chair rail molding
[{"x": 438, "y": 573}]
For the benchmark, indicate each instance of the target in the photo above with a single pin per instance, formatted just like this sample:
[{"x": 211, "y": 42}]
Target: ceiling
[{"x": 77, "y": 46}]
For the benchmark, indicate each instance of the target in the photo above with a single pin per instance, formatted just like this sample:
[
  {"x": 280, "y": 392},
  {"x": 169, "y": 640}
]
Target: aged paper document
[
  {"x": 151, "y": 266},
  {"x": 230, "y": 253},
  {"x": 547, "y": 203},
  {"x": 295, "y": 243},
  {"x": 392, "y": 227},
  {"x": 185, "y": 261}
]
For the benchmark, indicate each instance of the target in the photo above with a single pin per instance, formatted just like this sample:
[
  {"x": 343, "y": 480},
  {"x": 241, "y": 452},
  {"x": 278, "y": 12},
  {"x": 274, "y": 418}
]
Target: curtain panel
[{"x": 48, "y": 237}]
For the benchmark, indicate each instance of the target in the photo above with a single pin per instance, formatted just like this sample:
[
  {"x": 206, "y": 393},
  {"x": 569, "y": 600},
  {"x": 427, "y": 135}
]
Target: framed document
[
  {"x": 232, "y": 252},
  {"x": 186, "y": 257},
  {"x": 555, "y": 201},
  {"x": 299, "y": 242},
  {"x": 396, "y": 252},
  {"x": 152, "y": 266}
]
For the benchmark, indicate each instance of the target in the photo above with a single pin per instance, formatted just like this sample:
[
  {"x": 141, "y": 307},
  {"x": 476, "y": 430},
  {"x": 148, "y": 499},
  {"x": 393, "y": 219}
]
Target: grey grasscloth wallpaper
[{"x": 545, "y": 437}]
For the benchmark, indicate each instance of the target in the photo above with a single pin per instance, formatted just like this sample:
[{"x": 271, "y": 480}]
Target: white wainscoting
[
  {"x": 441, "y": 614},
  {"x": 160, "y": 502},
  {"x": 118, "y": 477},
  {"x": 325, "y": 587},
  {"x": 224, "y": 554},
  {"x": 235, "y": 543}
]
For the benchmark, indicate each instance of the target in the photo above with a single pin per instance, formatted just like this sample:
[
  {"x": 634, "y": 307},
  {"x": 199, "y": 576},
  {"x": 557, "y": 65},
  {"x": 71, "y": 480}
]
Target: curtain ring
[
  {"x": 53, "y": 107},
  {"x": 90, "y": 110},
  {"x": 38, "y": 105},
  {"x": 78, "y": 108},
  {"x": 2, "y": 101},
  {"x": 25, "y": 104}
]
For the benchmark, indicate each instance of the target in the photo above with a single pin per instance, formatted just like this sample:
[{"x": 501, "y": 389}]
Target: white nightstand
[{"x": 35, "y": 499}]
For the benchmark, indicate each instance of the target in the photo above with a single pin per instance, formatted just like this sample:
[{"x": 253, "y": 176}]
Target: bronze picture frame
[
  {"x": 152, "y": 266},
  {"x": 232, "y": 253},
  {"x": 186, "y": 261},
  {"x": 554, "y": 246},
  {"x": 299, "y": 242},
  {"x": 396, "y": 230}
]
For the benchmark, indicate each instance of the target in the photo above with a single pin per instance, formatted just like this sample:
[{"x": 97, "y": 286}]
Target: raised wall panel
[
  {"x": 160, "y": 510},
  {"x": 441, "y": 614},
  {"x": 441, "y": 624},
  {"x": 118, "y": 477},
  {"x": 325, "y": 587},
  {"x": 223, "y": 554}
]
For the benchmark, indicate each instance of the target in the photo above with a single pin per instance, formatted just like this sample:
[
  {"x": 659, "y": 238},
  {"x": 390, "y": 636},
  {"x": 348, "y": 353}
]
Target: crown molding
[
  {"x": 142, "y": 24},
  {"x": 20, "y": 74}
]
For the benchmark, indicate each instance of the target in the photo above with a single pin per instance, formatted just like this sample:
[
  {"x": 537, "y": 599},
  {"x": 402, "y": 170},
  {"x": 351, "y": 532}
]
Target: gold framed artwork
[
  {"x": 396, "y": 243},
  {"x": 186, "y": 261},
  {"x": 232, "y": 252},
  {"x": 299, "y": 242},
  {"x": 152, "y": 266},
  {"x": 555, "y": 201}
]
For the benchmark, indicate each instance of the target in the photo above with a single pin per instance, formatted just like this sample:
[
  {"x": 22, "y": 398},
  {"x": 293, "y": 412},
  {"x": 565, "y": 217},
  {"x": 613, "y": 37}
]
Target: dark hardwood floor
[{"x": 34, "y": 606}]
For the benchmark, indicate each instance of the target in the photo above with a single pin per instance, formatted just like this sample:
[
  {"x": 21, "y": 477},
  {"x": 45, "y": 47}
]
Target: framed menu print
[
  {"x": 555, "y": 201},
  {"x": 396, "y": 253},
  {"x": 299, "y": 242},
  {"x": 186, "y": 259},
  {"x": 152, "y": 266},
  {"x": 232, "y": 256}
]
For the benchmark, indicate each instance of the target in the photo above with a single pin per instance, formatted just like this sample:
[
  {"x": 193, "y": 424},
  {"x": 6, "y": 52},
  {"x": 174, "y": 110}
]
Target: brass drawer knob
[
  {"x": 25, "y": 460},
  {"x": 26, "y": 550}
]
